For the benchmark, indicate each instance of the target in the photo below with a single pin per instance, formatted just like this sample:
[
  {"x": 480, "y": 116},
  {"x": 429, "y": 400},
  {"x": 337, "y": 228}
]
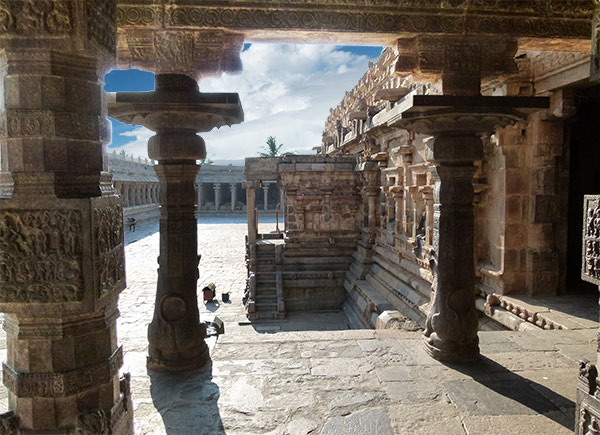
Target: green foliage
[{"x": 271, "y": 149}]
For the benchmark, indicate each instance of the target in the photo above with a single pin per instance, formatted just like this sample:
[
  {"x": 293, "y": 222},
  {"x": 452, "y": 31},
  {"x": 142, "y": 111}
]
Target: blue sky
[{"x": 286, "y": 91}]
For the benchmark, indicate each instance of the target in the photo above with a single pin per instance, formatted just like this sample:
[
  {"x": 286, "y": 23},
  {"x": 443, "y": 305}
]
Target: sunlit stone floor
[{"x": 312, "y": 375}]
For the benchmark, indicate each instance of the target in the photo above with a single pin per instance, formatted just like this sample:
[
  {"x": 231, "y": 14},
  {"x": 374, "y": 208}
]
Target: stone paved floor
[{"x": 312, "y": 375}]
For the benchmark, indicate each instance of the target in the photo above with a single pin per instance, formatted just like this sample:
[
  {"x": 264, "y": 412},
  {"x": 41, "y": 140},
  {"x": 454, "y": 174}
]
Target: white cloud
[{"x": 286, "y": 91}]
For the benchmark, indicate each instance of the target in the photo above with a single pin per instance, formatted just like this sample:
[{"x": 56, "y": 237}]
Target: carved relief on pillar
[
  {"x": 109, "y": 261},
  {"x": 41, "y": 256}
]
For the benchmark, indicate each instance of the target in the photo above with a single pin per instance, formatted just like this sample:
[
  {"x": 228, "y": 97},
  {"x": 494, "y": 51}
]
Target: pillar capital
[
  {"x": 461, "y": 61},
  {"x": 180, "y": 51}
]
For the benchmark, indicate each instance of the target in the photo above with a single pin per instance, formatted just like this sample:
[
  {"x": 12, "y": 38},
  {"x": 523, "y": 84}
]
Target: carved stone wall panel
[
  {"x": 590, "y": 267},
  {"x": 545, "y": 209}
]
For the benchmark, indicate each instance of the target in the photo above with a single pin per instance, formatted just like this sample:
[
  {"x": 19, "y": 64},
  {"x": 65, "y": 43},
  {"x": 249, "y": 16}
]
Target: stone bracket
[{"x": 61, "y": 384}]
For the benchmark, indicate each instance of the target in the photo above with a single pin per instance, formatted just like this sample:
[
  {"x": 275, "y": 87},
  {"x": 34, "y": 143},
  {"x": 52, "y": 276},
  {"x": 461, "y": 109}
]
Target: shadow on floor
[
  {"x": 495, "y": 390},
  {"x": 187, "y": 401}
]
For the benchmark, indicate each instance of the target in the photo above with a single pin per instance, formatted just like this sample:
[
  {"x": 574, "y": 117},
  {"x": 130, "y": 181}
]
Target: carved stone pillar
[
  {"x": 125, "y": 194},
  {"x": 398, "y": 195},
  {"x": 455, "y": 121},
  {"x": 427, "y": 192},
  {"x": 266, "y": 196},
  {"x": 217, "y": 187},
  {"x": 200, "y": 196},
  {"x": 251, "y": 210},
  {"x": 451, "y": 328},
  {"x": 233, "y": 188},
  {"x": 61, "y": 224},
  {"x": 176, "y": 336}
]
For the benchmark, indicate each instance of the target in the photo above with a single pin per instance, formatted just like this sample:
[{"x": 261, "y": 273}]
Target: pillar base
[
  {"x": 448, "y": 351},
  {"x": 178, "y": 365}
]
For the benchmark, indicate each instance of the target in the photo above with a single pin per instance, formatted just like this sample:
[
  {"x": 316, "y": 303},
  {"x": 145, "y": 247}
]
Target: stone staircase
[{"x": 266, "y": 283}]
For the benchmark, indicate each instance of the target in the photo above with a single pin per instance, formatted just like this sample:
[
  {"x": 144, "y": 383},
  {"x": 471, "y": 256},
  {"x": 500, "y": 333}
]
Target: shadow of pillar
[{"x": 187, "y": 402}]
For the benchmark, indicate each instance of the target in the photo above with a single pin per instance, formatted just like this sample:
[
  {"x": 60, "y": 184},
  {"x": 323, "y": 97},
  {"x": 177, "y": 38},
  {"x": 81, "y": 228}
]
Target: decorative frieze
[
  {"x": 61, "y": 384},
  {"x": 32, "y": 18}
]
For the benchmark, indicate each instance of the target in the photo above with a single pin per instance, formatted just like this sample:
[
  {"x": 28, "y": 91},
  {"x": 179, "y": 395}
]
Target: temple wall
[{"x": 521, "y": 195}]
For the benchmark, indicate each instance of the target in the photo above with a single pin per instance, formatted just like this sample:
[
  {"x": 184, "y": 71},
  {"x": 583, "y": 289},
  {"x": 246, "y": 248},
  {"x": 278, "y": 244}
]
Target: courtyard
[{"x": 310, "y": 374}]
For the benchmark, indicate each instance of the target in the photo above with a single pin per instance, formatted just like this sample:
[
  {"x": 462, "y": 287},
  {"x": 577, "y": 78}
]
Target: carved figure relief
[
  {"x": 40, "y": 256},
  {"x": 110, "y": 262},
  {"x": 591, "y": 240}
]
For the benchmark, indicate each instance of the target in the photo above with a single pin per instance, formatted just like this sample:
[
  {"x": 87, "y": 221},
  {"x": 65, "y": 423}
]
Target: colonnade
[
  {"x": 134, "y": 193},
  {"x": 225, "y": 193}
]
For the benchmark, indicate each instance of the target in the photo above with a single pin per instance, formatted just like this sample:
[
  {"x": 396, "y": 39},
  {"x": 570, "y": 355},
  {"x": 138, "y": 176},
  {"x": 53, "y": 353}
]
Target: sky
[{"x": 286, "y": 91}]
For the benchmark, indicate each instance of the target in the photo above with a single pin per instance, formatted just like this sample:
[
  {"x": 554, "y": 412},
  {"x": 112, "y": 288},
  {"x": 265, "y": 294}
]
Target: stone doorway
[{"x": 584, "y": 179}]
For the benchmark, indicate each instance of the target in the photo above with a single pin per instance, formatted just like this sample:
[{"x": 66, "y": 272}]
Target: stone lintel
[{"x": 367, "y": 22}]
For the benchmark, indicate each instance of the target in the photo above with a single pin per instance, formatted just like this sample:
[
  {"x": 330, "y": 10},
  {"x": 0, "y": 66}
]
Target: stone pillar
[
  {"x": 200, "y": 196},
  {"x": 427, "y": 192},
  {"x": 125, "y": 194},
  {"x": 266, "y": 196},
  {"x": 63, "y": 268},
  {"x": 281, "y": 199},
  {"x": 456, "y": 125},
  {"x": 233, "y": 188},
  {"x": 398, "y": 195},
  {"x": 451, "y": 327},
  {"x": 251, "y": 210},
  {"x": 175, "y": 335},
  {"x": 217, "y": 187}
]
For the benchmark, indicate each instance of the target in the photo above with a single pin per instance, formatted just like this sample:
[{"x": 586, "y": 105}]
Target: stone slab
[{"x": 506, "y": 397}]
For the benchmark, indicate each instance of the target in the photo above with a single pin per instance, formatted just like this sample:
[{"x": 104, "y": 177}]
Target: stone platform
[{"x": 310, "y": 374}]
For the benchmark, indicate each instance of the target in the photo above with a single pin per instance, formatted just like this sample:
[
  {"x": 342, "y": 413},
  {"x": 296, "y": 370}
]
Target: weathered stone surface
[
  {"x": 371, "y": 421},
  {"x": 505, "y": 397}
]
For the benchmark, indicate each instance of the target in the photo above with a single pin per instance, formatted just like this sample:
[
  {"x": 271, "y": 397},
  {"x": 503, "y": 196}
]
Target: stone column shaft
[
  {"x": 451, "y": 327},
  {"x": 251, "y": 212},
  {"x": 266, "y": 196},
  {"x": 217, "y": 188},
  {"x": 233, "y": 188},
  {"x": 200, "y": 196}
]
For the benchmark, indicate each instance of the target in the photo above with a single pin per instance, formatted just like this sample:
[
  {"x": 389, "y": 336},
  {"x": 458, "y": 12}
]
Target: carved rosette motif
[
  {"x": 40, "y": 256},
  {"x": 109, "y": 264},
  {"x": 590, "y": 267}
]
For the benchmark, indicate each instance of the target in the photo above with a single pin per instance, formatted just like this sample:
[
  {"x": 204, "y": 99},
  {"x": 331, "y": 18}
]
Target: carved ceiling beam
[{"x": 549, "y": 24}]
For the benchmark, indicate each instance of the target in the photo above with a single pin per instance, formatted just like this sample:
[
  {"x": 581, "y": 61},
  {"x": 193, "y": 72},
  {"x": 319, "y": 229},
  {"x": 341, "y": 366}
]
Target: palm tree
[{"x": 272, "y": 149}]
